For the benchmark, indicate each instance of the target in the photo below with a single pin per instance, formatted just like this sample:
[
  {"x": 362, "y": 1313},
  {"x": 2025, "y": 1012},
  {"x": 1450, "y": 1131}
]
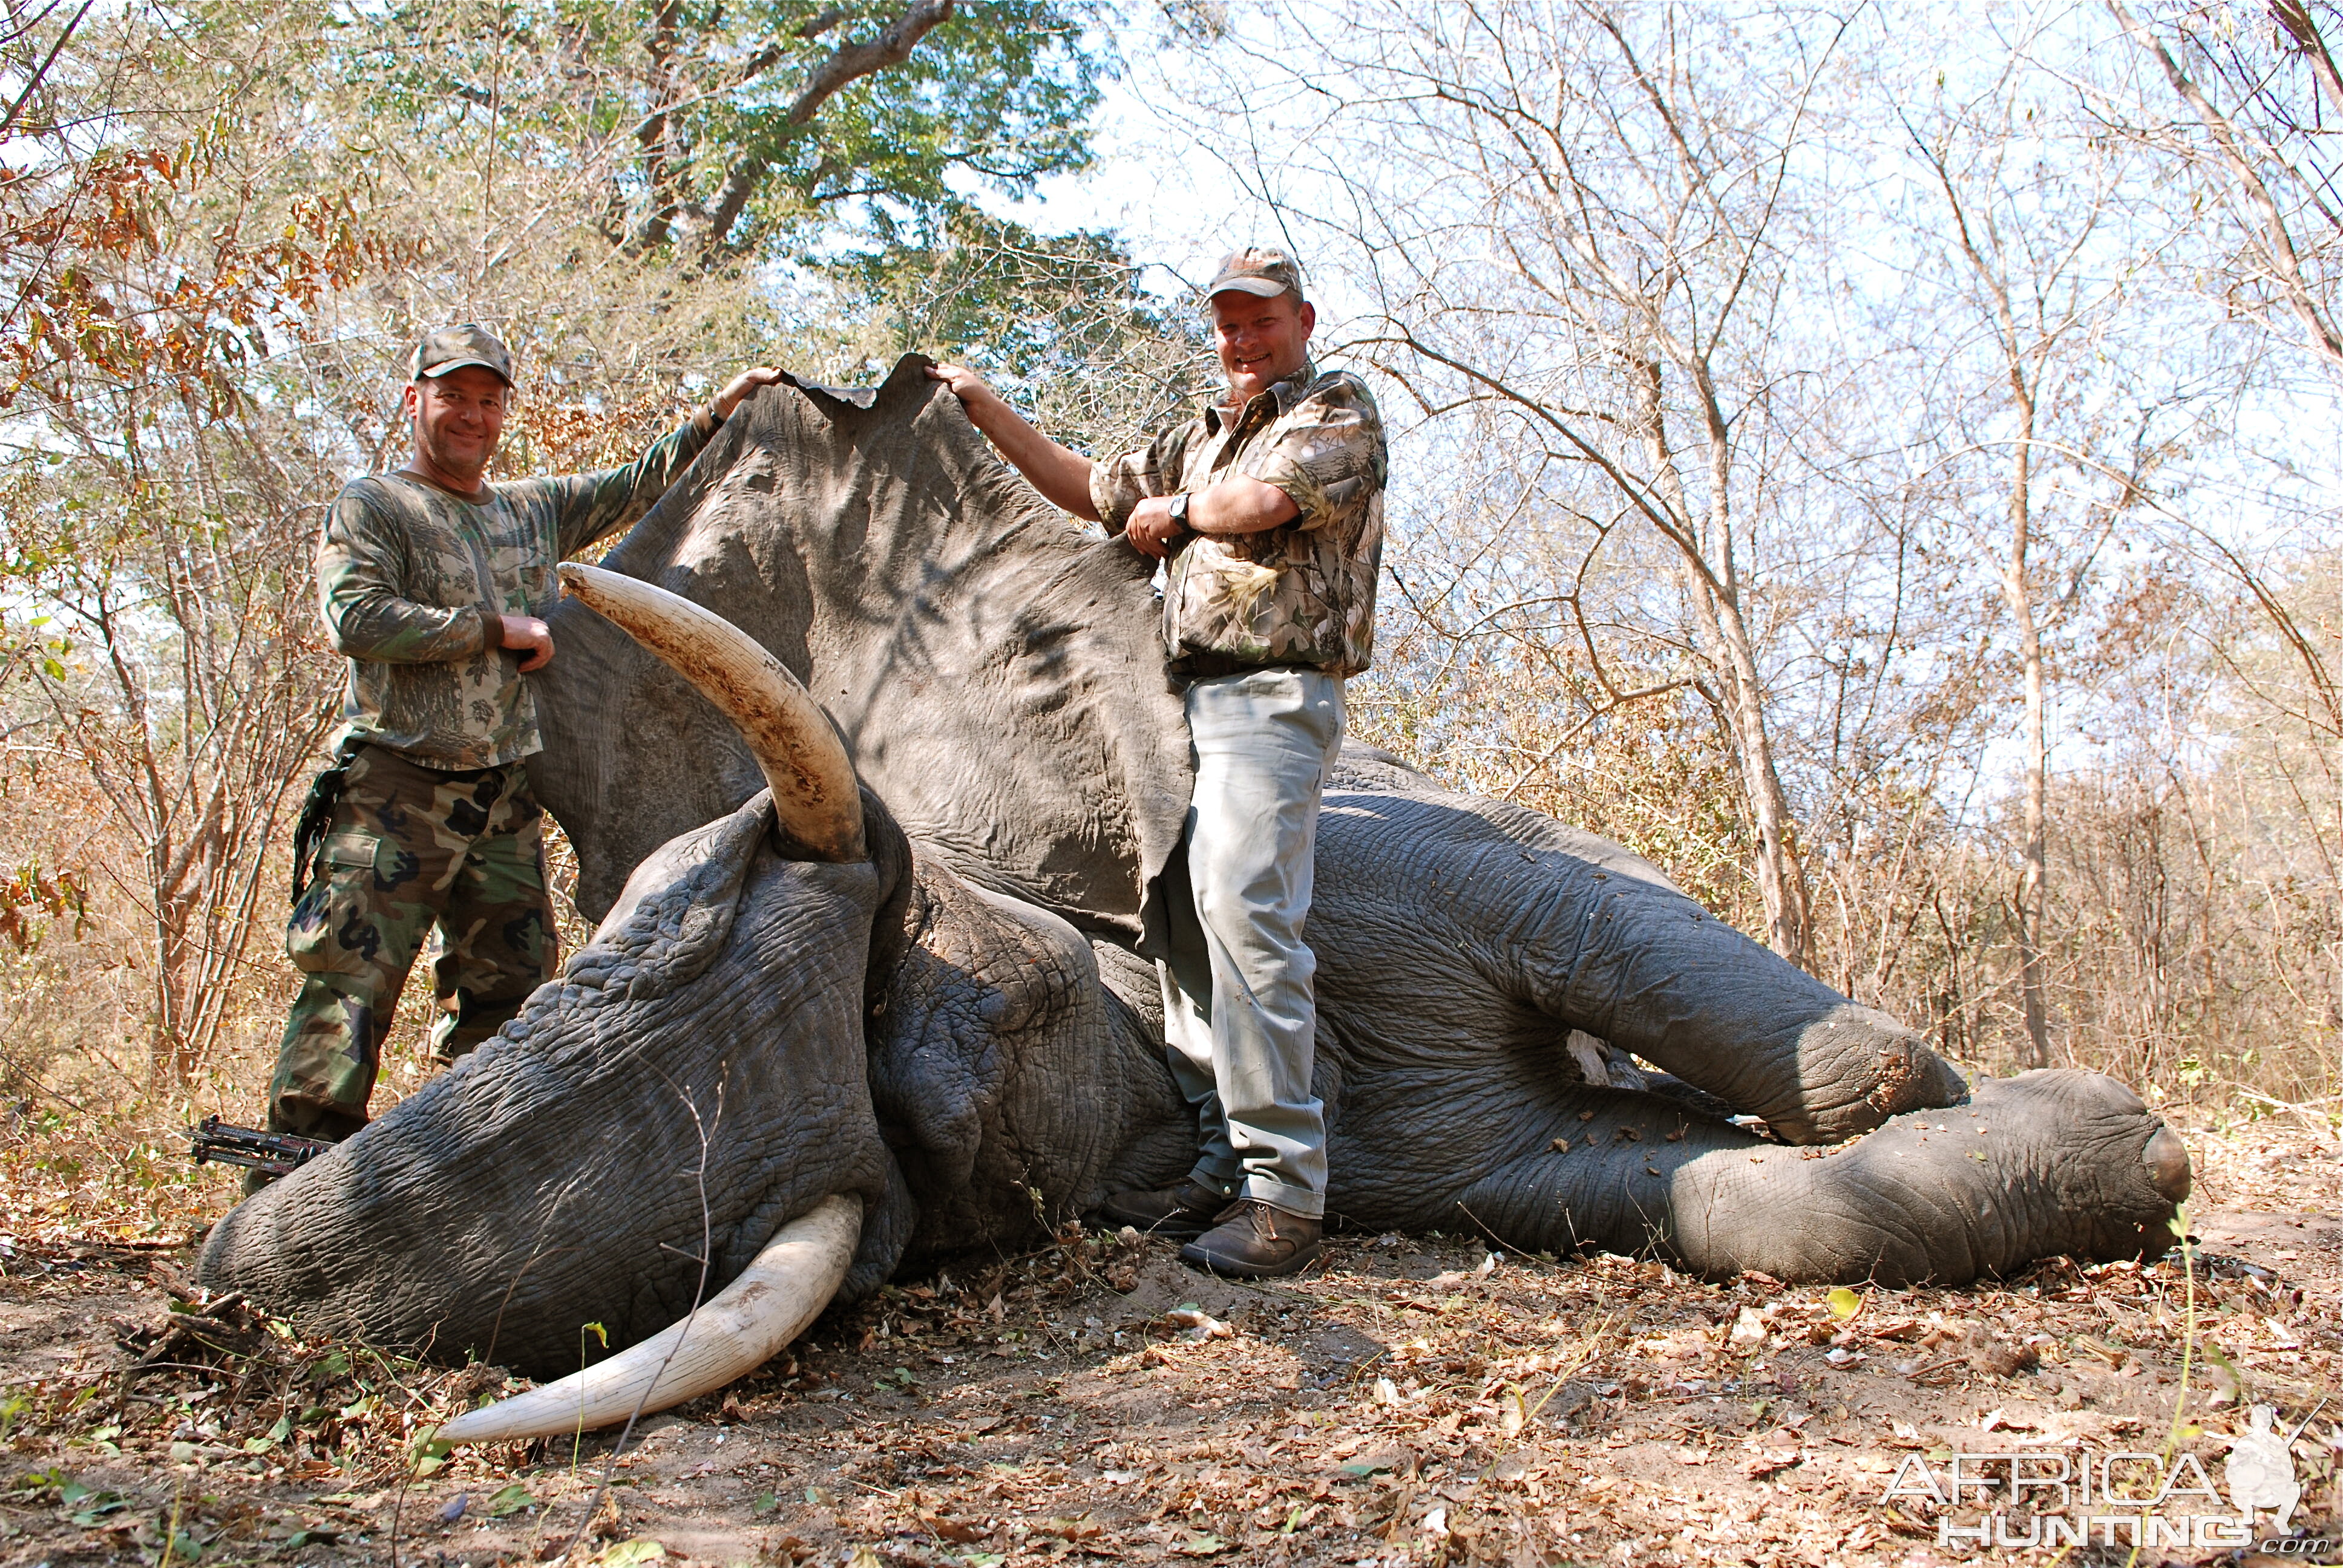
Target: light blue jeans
[{"x": 1238, "y": 1009}]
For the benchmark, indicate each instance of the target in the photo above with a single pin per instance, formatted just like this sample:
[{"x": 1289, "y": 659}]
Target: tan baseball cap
[
  {"x": 453, "y": 348},
  {"x": 1261, "y": 272}
]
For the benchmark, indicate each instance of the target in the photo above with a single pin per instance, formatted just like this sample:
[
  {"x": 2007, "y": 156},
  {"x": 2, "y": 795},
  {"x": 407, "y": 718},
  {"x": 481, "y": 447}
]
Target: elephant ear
[{"x": 995, "y": 669}]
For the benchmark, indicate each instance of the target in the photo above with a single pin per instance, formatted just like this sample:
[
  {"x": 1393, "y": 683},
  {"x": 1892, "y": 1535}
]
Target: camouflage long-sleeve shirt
[
  {"x": 409, "y": 575},
  {"x": 1303, "y": 592}
]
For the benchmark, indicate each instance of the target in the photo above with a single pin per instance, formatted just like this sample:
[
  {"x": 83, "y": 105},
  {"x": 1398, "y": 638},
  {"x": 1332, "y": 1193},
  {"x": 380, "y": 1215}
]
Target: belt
[
  {"x": 1194, "y": 666},
  {"x": 461, "y": 775}
]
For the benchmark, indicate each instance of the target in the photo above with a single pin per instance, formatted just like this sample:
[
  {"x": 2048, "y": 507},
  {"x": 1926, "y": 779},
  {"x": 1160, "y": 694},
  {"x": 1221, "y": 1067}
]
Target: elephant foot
[
  {"x": 1854, "y": 1068},
  {"x": 2050, "y": 1163}
]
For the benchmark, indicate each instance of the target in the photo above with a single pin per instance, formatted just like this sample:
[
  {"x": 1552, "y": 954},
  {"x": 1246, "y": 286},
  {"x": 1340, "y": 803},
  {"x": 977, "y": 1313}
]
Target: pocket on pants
[
  {"x": 1299, "y": 708},
  {"x": 336, "y": 929}
]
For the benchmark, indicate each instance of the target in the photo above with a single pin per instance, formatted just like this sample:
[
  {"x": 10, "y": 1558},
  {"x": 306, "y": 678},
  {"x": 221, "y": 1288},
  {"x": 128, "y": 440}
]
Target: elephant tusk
[
  {"x": 814, "y": 789},
  {"x": 734, "y": 1332}
]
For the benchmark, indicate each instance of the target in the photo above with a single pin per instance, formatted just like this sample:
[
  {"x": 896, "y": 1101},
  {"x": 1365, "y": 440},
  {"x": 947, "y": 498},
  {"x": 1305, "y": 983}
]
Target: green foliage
[
  {"x": 729, "y": 129},
  {"x": 509, "y": 1500},
  {"x": 1059, "y": 323},
  {"x": 1009, "y": 301},
  {"x": 428, "y": 1452},
  {"x": 631, "y": 1554}
]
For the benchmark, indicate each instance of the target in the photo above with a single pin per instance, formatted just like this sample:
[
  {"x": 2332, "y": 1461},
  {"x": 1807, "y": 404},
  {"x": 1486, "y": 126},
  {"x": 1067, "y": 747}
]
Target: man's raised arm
[
  {"x": 592, "y": 507},
  {"x": 1062, "y": 474}
]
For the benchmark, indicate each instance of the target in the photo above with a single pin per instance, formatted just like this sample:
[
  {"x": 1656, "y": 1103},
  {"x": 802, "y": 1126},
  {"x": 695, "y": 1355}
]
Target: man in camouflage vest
[
  {"x": 431, "y": 580},
  {"x": 1267, "y": 509}
]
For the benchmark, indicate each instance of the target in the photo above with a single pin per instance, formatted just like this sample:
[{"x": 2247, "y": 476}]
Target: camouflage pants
[{"x": 409, "y": 848}]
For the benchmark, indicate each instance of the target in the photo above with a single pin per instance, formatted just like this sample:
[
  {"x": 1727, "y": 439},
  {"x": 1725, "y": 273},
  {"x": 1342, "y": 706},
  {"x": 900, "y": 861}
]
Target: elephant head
[{"x": 795, "y": 1053}]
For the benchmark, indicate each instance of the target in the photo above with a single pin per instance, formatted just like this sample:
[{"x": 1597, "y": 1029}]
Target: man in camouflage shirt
[
  {"x": 432, "y": 581},
  {"x": 1268, "y": 511}
]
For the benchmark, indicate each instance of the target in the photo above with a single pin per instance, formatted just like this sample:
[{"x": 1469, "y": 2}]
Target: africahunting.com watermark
[{"x": 2144, "y": 1501}]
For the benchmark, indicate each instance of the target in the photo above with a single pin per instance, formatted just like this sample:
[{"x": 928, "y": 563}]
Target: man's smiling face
[
  {"x": 457, "y": 419},
  {"x": 1261, "y": 341}
]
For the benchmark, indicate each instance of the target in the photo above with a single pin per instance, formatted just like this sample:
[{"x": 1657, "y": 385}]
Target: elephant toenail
[{"x": 2167, "y": 1163}]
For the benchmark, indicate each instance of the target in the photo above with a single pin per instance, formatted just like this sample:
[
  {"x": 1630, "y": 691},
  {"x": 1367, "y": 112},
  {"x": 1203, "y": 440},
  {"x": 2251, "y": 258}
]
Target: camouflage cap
[
  {"x": 453, "y": 348},
  {"x": 1258, "y": 271}
]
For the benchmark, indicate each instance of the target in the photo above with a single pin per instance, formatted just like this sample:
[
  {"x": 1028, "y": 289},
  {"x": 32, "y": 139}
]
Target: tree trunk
[
  {"x": 2033, "y": 876},
  {"x": 1781, "y": 879},
  {"x": 1712, "y": 583},
  {"x": 2022, "y": 354}
]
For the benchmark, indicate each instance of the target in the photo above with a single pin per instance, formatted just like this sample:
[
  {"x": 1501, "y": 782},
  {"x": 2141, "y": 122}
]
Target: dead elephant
[{"x": 867, "y": 994}]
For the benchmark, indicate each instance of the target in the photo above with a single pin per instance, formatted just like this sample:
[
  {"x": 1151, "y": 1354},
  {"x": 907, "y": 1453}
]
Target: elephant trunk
[
  {"x": 734, "y": 1332},
  {"x": 814, "y": 791}
]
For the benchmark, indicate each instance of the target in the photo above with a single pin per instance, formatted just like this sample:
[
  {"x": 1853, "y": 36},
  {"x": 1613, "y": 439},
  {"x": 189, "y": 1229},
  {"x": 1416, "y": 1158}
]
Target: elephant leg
[
  {"x": 1444, "y": 921},
  {"x": 1647, "y": 970},
  {"x": 2049, "y": 1162}
]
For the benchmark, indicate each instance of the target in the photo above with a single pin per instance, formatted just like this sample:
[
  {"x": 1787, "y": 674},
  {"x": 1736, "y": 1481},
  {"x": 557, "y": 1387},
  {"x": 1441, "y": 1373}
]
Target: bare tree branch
[
  {"x": 32, "y": 83},
  {"x": 847, "y": 64},
  {"x": 2294, "y": 19},
  {"x": 2278, "y": 244}
]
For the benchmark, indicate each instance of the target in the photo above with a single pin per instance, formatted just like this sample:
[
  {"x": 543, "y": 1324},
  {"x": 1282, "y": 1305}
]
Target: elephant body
[{"x": 963, "y": 1030}]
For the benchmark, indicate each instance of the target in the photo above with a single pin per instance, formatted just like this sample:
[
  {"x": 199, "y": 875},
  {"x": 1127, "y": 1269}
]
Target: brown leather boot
[
  {"x": 1182, "y": 1210},
  {"x": 1256, "y": 1240}
]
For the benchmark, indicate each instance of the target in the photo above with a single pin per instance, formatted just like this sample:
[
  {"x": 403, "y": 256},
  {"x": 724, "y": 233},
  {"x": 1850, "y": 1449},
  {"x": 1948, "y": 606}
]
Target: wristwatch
[{"x": 1179, "y": 512}]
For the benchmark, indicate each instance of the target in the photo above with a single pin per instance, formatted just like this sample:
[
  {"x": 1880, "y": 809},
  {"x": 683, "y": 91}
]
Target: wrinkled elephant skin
[{"x": 957, "y": 1032}]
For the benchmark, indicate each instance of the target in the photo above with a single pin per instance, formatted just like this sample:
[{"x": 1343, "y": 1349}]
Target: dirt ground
[{"x": 1417, "y": 1400}]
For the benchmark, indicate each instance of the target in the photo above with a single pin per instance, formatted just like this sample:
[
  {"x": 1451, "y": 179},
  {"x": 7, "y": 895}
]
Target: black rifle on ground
[{"x": 278, "y": 1153}]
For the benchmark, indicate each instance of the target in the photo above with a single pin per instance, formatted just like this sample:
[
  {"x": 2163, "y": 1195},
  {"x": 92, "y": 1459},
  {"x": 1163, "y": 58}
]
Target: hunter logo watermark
[{"x": 2115, "y": 1499}]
